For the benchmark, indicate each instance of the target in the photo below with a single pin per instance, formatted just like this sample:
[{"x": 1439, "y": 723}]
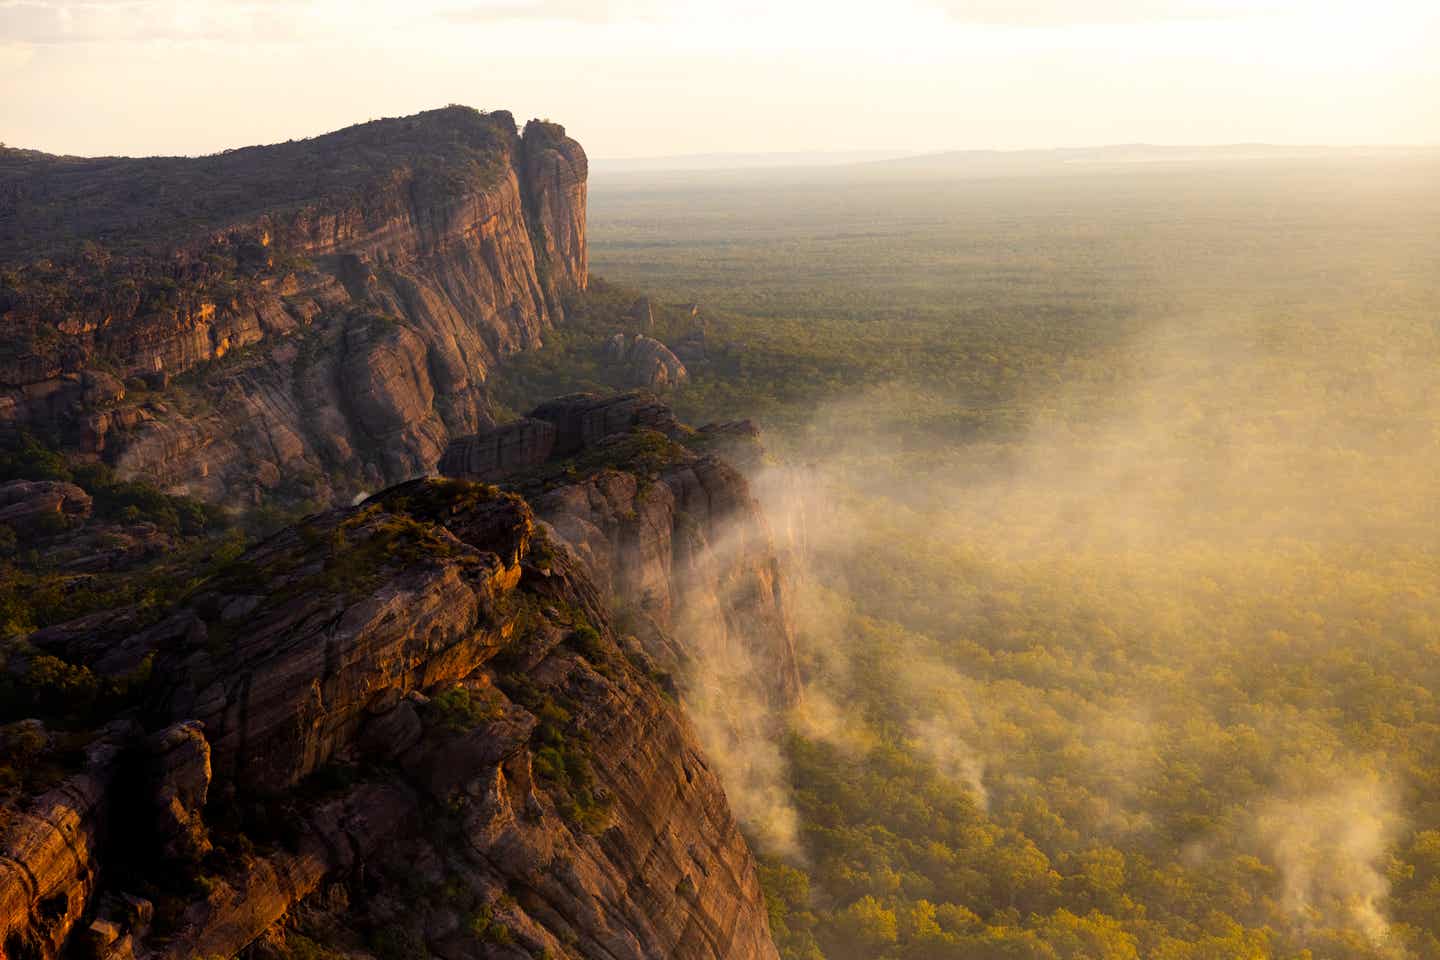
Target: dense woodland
[
  {"x": 1115, "y": 499},
  {"x": 58, "y": 206}
]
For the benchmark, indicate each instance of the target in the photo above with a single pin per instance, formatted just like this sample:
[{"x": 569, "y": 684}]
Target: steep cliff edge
[
  {"x": 408, "y": 728},
  {"x": 300, "y": 321},
  {"x": 661, "y": 523},
  {"x": 671, "y": 531}
]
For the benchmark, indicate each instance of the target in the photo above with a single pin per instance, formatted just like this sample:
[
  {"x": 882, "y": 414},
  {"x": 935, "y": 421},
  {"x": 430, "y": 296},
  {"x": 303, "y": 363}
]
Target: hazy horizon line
[
  {"x": 753, "y": 159},
  {"x": 836, "y": 157}
]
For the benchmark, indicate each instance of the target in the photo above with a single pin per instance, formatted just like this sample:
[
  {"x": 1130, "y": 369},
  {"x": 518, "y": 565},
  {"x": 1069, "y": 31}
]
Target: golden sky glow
[{"x": 643, "y": 77}]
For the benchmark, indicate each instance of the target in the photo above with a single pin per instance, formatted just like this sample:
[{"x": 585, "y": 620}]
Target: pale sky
[{"x": 648, "y": 77}]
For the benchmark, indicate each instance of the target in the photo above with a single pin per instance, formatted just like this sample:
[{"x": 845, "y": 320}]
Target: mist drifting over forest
[{"x": 1111, "y": 502}]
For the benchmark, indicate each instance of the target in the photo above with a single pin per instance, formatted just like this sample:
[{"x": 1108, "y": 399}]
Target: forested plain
[{"x": 1111, "y": 495}]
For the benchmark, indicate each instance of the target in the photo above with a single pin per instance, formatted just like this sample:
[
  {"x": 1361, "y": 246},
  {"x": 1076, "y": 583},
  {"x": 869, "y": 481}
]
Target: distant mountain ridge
[
  {"x": 741, "y": 161},
  {"x": 1017, "y": 160},
  {"x": 1144, "y": 153}
]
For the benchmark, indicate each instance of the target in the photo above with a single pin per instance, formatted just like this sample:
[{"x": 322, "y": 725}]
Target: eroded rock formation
[
  {"x": 36, "y": 507},
  {"x": 507, "y": 449},
  {"x": 647, "y": 362}
]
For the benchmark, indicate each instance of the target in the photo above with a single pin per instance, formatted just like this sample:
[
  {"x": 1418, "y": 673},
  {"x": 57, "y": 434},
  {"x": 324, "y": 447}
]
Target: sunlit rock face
[
  {"x": 326, "y": 331},
  {"x": 661, "y": 522},
  {"x": 665, "y": 525},
  {"x": 409, "y": 719}
]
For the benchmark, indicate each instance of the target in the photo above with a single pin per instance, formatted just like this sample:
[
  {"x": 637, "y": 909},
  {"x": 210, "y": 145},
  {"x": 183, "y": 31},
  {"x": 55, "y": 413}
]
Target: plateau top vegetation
[{"x": 51, "y": 205}]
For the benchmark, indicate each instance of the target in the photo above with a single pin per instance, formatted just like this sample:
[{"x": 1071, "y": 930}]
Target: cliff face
[
  {"x": 556, "y": 169},
  {"x": 672, "y": 532},
  {"x": 337, "y": 326},
  {"x": 408, "y": 726}
]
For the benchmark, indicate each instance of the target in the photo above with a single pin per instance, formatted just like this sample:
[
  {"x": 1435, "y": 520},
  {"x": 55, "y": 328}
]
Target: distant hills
[
  {"x": 997, "y": 161},
  {"x": 741, "y": 161},
  {"x": 1145, "y": 153}
]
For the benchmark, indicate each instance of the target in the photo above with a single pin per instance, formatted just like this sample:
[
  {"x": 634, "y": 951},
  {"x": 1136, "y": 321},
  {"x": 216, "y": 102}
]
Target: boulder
[
  {"x": 584, "y": 419},
  {"x": 647, "y": 362},
  {"x": 652, "y": 364},
  {"x": 503, "y": 450},
  {"x": 39, "y": 507}
]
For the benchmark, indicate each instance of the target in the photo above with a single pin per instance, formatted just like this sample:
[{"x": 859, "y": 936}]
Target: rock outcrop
[
  {"x": 646, "y": 361},
  {"x": 560, "y": 427},
  {"x": 643, "y": 313},
  {"x": 661, "y": 522},
  {"x": 36, "y": 507},
  {"x": 409, "y": 725},
  {"x": 555, "y": 177},
  {"x": 583, "y": 420},
  {"x": 691, "y": 347},
  {"x": 735, "y": 441},
  {"x": 345, "y": 296},
  {"x": 49, "y": 855},
  {"x": 179, "y": 766},
  {"x": 507, "y": 449}
]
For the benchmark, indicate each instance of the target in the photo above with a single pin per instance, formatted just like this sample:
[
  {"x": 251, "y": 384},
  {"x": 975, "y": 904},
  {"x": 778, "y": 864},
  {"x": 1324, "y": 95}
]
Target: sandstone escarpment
[
  {"x": 409, "y": 725},
  {"x": 344, "y": 298}
]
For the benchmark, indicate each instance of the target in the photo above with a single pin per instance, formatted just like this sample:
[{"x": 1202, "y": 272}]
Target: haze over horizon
[{"x": 638, "y": 78}]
